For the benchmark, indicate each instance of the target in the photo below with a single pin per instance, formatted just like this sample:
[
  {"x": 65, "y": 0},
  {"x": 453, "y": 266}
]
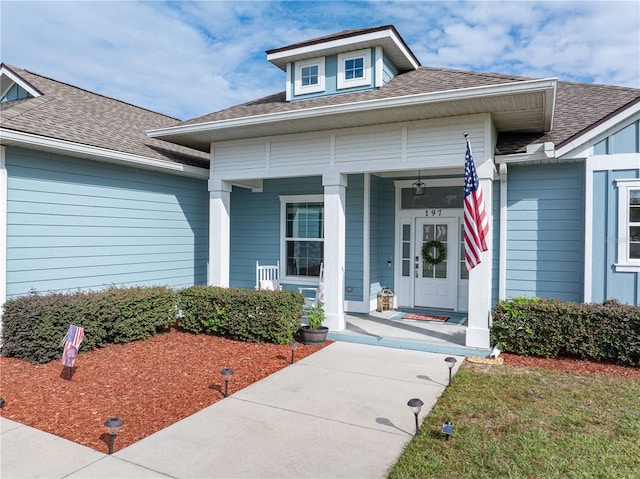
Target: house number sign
[{"x": 433, "y": 213}]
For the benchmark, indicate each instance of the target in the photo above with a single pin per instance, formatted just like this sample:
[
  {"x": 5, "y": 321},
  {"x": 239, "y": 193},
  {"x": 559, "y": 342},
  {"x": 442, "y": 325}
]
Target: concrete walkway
[{"x": 341, "y": 412}]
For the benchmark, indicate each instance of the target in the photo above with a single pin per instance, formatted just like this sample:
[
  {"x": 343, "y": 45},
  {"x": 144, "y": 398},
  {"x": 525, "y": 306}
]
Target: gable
[
  {"x": 14, "y": 87},
  {"x": 624, "y": 140}
]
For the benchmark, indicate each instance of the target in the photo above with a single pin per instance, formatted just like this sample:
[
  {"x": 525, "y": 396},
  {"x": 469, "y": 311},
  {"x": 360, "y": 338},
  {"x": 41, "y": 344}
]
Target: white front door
[{"x": 435, "y": 284}]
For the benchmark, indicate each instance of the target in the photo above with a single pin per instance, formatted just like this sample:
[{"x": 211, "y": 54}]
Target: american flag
[
  {"x": 476, "y": 225},
  {"x": 72, "y": 344}
]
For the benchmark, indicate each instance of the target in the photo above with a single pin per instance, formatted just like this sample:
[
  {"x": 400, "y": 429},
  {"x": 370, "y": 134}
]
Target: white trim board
[{"x": 628, "y": 161}]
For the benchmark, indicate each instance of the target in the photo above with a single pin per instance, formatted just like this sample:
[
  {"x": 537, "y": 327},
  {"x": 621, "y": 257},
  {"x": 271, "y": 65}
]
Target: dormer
[
  {"x": 13, "y": 87},
  {"x": 353, "y": 60}
]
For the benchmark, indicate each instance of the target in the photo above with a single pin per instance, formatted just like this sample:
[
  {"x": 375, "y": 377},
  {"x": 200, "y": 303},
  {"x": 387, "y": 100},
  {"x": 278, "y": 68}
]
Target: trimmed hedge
[
  {"x": 599, "y": 332},
  {"x": 254, "y": 316},
  {"x": 34, "y": 325}
]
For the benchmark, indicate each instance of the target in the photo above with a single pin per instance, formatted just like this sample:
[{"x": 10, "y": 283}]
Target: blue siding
[
  {"x": 606, "y": 283},
  {"x": 260, "y": 212},
  {"x": 383, "y": 231},
  {"x": 389, "y": 70},
  {"x": 387, "y": 232},
  {"x": 78, "y": 224},
  {"x": 354, "y": 260},
  {"x": 331, "y": 80},
  {"x": 495, "y": 284},
  {"x": 626, "y": 140},
  {"x": 545, "y": 227},
  {"x": 375, "y": 222},
  {"x": 255, "y": 225}
]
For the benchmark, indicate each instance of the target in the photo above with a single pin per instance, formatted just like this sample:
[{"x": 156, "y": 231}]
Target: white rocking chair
[
  {"x": 268, "y": 276},
  {"x": 312, "y": 296}
]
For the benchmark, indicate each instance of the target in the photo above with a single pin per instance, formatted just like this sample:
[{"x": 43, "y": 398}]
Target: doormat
[{"x": 425, "y": 317}]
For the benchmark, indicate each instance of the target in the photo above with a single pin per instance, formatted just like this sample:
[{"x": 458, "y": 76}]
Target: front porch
[{"x": 382, "y": 329}]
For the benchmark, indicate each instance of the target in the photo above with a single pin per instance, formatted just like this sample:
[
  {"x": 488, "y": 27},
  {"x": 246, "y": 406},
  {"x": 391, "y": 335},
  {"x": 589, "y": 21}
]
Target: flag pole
[{"x": 476, "y": 225}]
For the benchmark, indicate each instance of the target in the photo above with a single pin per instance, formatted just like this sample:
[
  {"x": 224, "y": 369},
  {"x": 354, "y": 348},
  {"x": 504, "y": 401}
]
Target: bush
[
  {"x": 551, "y": 328},
  {"x": 33, "y": 326},
  {"x": 257, "y": 316},
  {"x": 139, "y": 312}
]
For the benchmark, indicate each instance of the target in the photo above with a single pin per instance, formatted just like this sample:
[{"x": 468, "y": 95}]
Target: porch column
[
  {"x": 335, "y": 185},
  {"x": 480, "y": 279},
  {"x": 219, "y": 232}
]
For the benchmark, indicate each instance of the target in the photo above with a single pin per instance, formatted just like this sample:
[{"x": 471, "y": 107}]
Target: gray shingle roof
[
  {"x": 65, "y": 112},
  {"x": 354, "y": 32},
  {"x": 579, "y": 106}
]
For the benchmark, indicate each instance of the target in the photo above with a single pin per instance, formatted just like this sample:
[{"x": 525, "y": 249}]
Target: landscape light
[
  {"x": 113, "y": 425},
  {"x": 451, "y": 362},
  {"x": 293, "y": 345},
  {"x": 226, "y": 374},
  {"x": 415, "y": 404}
]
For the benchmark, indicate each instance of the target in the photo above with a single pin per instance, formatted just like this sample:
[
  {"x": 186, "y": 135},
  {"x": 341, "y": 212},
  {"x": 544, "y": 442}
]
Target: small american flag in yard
[{"x": 72, "y": 344}]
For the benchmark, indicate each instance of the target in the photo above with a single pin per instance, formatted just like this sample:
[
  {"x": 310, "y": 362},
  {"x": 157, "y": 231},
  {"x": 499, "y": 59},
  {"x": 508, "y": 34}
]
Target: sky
[{"x": 187, "y": 59}]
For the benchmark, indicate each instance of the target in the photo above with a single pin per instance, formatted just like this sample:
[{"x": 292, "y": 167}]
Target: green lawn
[{"x": 529, "y": 423}]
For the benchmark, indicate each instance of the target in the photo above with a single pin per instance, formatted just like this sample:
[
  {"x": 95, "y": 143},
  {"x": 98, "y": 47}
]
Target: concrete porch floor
[{"x": 378, "y": 328}]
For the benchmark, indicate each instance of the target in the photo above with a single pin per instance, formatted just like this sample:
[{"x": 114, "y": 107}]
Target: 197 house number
[{"x": 433, "y": 212}]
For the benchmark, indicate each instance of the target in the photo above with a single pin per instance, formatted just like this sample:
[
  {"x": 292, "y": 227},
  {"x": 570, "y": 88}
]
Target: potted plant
[{"x": 314, "y": 332}]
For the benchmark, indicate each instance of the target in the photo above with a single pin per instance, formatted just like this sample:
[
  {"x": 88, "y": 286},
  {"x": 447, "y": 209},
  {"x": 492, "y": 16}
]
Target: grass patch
[{"x": 529, "y": 423}]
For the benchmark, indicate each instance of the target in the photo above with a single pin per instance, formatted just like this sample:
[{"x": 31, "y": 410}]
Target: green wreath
[{"x": 440, "y": 250}]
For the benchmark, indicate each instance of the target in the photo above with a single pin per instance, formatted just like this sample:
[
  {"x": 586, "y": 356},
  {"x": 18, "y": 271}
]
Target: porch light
[
  {"x": 418, "y": 187},
  {"x": 226, "y": 374},
  {"x": 113, "y": 425},
  {"x": 293, "y": 345},
  {"x": 415, "y": 404},
  {"x": 451, "y": 362}
]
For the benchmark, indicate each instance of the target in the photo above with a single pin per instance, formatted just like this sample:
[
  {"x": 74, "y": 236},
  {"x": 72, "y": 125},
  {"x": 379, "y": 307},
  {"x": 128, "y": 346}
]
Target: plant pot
[{"x": 313, "y": 336}]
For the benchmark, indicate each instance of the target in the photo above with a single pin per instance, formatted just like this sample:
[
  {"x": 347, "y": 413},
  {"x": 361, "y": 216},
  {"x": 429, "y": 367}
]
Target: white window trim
[
  {"x": 624, "y": 264},
  {"x": 284, "y": 199},
  {"x": 354, "y": 82},
  {"x": 298, "y": 88}
]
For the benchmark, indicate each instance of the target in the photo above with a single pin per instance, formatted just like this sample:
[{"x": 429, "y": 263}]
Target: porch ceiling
[{"x": 523, "y": 110}]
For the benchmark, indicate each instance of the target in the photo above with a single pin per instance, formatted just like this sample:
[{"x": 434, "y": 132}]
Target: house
[
  {"x": 325, "y": 171},
  {"x": 87, "y": 199}
]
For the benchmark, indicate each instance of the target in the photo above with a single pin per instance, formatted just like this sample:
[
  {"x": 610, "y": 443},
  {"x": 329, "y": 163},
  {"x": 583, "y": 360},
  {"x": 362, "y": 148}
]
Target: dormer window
[
  {"x": 309, "y": 76},
  {"x": 14, "y": 87},
  {"x": 354, "y": 69},
  {"x": 16, "y": 92}
]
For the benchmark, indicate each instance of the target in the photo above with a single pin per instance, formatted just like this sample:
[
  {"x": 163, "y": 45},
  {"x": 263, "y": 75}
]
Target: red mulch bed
[
  {"x": 576, "y": 366},
  {"x": 154, "y": 383},
  {"x": 150, "y": 384}
]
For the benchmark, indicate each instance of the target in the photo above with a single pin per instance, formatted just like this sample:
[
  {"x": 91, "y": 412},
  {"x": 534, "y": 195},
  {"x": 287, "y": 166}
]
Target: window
[
  {"x": 438, "y": 197},
  {"x": 406, "y": 250},
  {"x": 628, "y": 225},
  {"x": 303, "y": 228},
  {"x": 309, "y": 76},
  {"x": 16, "y": 92},
  {"x": 354, "y": 69},
  {"x": 464, "y": 274}
]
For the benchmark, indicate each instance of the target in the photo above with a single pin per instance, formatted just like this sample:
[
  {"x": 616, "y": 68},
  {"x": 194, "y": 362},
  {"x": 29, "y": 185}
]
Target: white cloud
[{"x": 188, "y": 59}]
